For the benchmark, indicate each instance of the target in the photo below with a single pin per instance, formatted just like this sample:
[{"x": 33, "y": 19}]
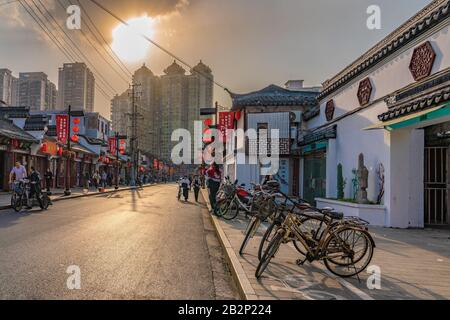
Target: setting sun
[{"x": 128, "y": 42}]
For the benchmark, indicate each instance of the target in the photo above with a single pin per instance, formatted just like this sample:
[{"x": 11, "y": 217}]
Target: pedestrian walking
[
  {"x": 196, "y": 185},
  {"x": 214, "y": 176},
  {"x": 87, "y": 181},
  {"x": 96, "y": 179},
  {"x": 48, "y": 175},
  {"x": 104, "y": 178}
]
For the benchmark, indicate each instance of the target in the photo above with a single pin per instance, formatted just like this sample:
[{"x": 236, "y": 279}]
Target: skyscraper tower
[{"x": 76, "y": 87}]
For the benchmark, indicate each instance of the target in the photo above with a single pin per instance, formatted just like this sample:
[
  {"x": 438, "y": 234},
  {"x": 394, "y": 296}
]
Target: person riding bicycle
[
  {"x": 35, "y": 184},
  {"x": 18, "y": 173}
]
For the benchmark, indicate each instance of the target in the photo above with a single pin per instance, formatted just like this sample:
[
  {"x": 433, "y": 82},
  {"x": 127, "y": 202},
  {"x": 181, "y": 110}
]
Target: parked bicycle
[{"x": 343, "y": 244}]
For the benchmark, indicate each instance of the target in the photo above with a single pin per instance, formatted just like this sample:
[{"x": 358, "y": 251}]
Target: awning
[
  {"x": 81, "y": 149},
  {"x": 411, "y": 119}
]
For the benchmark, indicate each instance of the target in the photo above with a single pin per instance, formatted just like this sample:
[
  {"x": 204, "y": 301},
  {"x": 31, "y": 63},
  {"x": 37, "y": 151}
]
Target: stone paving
[{"x": 414, "y": 264}]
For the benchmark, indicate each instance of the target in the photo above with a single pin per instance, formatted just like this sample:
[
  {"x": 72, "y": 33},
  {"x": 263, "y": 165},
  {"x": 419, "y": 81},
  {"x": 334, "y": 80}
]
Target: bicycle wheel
[
  {"x": 251, "y": 230},
  {"x": 232, "y": 212},
  {"x": 312, "y": 228},
  {"x": 270, "y": 252},
  {"x": 267, "y": 238},
  {"x": 45, "y": 202},
  {"x": 16, "y": 202},
  {"x": 222, "y": 207},
  {"x": 348, "y": 251}
]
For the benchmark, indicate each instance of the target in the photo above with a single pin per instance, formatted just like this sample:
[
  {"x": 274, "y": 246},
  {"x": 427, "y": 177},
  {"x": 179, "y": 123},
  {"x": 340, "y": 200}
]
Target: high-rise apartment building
[
  {"x": 76, "y": 87},
  {"x": 15, "y": 91},
  {"x": 166, "y": 103},
  {"x": 149, "y": 111},
  {"x": 120, "y": 111},
  {"x": 36, "y": 91},
  {"x": 6, "y": 86}
]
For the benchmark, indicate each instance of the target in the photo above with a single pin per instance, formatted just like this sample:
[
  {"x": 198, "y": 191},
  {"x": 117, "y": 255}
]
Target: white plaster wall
[
  {"x": 401, "y": 153},
  {"x": 388, "y": 77},
  {"x": 406, "y": 196}
]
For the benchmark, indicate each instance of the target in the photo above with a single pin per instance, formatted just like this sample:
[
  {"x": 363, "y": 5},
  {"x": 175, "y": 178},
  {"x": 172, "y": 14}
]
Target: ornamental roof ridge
[
  {"x": 174, "y": 69},
  {"x": 392, "y": 41}
]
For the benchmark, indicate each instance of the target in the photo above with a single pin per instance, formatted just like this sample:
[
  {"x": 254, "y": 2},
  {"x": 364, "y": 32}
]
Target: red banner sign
[
  {"x": 62, "y": 126},
  {"x": 112, "y": 146},
  {"x": 226, "y": 122}
]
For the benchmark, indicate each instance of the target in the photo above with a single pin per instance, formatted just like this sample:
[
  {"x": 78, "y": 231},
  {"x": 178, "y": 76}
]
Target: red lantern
[
  {"x": 74, "y": 138},
  {"x": 44, "y": 147},
  {"x": 122, "y": 142},
  {"x": 76, "y": 120},
  {"x": 207, "y": 122},
  {"x": 237, "y": 115},
  {"x": 76, "y": 129}
]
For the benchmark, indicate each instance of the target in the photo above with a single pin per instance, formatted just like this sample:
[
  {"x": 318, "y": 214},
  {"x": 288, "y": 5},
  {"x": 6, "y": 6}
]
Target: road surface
[{"x": 129, "y": 245}]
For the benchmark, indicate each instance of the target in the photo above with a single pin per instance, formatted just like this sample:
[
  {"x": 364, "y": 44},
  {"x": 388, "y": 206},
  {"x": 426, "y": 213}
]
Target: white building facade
[{"x": 391, "y": 105}]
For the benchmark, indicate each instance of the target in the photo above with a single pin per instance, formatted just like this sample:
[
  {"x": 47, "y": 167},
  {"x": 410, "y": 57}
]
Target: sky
[{"x": 249, "y": 44}]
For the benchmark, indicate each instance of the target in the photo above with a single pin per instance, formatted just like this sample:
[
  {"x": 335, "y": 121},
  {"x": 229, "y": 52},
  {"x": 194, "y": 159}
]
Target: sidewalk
[
  {"x": 415, "y": 264},
  {"x": 58, "y": 194}
]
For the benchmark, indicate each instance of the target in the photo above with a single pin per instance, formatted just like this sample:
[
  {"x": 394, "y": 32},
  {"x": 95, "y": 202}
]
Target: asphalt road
[{"x": 130, "y": 245}]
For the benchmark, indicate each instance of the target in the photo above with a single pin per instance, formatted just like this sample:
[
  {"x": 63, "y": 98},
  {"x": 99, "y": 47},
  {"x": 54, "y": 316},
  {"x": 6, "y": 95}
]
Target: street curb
[
  {"x": 88, "y": 194},
  {"x": 245, "y": 289}
]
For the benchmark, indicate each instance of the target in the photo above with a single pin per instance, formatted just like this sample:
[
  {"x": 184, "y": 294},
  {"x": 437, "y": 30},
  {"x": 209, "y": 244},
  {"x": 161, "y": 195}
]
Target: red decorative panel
[
  {"x": 329, "y": 110},
  {"x": 422, "y": 61},
  {"x": 364, "y": 92}
]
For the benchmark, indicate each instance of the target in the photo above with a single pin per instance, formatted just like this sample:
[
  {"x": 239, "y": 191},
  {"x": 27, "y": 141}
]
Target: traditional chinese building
[
  {"x": 277, "y": 108},
  {"x": 391, "y": 105}
]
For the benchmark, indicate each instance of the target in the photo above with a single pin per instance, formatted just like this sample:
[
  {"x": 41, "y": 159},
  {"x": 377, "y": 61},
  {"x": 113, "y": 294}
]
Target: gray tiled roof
[
  {"x": 324, "y": 134},
  {"x": 11, "y": 131},
  {"x": 14, "y": 112},
  {"x": 436, "y": 12},
  {"x": 274, "y": 96},
  {"x": 417, "y": 105}
]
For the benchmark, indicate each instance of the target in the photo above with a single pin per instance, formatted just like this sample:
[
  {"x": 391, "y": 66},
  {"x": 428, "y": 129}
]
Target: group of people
[
  {"x": 19, "y": 174},
  {"x": 188, "y": 183},
  {"x": 213, "y": 177}
]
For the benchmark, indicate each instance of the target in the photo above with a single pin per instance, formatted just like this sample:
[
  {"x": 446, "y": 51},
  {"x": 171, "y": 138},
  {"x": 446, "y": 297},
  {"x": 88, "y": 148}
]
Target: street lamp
[{"x": 67, "y": 192}]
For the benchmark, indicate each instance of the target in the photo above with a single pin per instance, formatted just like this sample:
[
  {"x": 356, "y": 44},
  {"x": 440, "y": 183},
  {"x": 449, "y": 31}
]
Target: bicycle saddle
[{"x": 333, "y": 214}]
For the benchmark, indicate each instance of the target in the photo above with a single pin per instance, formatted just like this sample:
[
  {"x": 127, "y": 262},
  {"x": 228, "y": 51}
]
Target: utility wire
[
  {"x": 52, "y": 37},
  {"x": 85, "y": 14},
  {"x": 100, "y": 76},
  {"x": 158, "y": 45},
  {"x": 96, "y": 49}
]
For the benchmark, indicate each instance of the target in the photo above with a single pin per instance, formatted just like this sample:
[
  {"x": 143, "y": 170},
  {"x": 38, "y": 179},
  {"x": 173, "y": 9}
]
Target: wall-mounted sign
[
  {"x": 329, "y": 110},
  {"x": 364, "y": 92},
  {"x": 62, "y": 126}
]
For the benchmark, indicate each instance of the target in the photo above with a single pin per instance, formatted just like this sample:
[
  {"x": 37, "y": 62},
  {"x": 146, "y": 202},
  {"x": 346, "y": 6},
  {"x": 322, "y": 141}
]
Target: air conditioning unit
[{"x": 296, "y": 116}]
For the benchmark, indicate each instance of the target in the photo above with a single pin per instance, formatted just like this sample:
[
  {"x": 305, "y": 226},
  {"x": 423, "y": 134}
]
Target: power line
[
  {"x": 158, "y": 45},
  {"x": 95, "y": 48},
  {"x": 52, "y": 37},
  {"x": 101, "y": 78},
  {"x": 85, "y": 13}
]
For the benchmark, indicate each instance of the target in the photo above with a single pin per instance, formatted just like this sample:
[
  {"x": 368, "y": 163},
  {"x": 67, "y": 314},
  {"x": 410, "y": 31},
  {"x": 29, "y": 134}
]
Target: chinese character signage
[
  {"x": 226, "y": 122},
  {"x": 112, "y": 146},
  {"x": 62, "y": 126}
]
